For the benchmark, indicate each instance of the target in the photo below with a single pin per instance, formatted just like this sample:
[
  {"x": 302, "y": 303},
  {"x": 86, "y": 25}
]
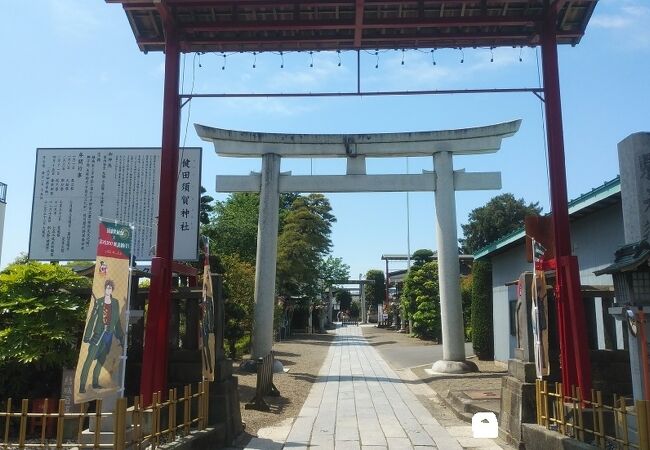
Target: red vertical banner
[
  {"x": 102, "y": 357},
  {"x": 206, "y": 320}
]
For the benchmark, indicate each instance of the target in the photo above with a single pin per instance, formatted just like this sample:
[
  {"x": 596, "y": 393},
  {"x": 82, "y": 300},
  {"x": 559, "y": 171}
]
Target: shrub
[
  {"x": 482, "y": 332},
  {"x": 42, "y": 313},
  {"x": 466, "y": 296}
]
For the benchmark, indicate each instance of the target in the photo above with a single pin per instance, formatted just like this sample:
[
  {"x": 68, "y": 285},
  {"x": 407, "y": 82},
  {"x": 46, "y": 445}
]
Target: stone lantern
[{"x": 631, "y": 274}]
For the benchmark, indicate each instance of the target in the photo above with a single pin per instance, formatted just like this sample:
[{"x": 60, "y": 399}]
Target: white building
[{"x": 596, "y": 221}]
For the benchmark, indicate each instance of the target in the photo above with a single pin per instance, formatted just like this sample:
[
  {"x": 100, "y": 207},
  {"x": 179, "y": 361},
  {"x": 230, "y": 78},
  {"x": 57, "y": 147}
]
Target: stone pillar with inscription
[
  {"x": 634, "y": 166},
  {"x": 224, "y": 396},
  {"x": 518, "y": 387}
]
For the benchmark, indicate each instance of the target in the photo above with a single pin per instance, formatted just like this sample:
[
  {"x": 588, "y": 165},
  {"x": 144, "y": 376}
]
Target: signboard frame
[{"x": 183, "y": 250}]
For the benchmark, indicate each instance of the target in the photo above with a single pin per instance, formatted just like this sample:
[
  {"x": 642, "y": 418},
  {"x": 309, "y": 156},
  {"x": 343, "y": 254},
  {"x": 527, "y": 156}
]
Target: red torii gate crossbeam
[{"x": 173, "y": 26}]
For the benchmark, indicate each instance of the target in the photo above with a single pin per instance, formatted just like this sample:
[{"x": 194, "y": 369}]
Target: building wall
[{"x": 594, "y": 237}]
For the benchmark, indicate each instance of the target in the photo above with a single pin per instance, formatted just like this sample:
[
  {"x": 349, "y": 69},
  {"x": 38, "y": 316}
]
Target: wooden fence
[
  {"x": 620, "y": 424},
  {"x": 264, "y": 384},
  {"x": 131, "y": 426}
]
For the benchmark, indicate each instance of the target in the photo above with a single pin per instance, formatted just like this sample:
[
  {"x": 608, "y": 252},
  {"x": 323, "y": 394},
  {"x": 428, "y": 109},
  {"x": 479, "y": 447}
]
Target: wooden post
[
  {"x": 60, "y": 421},
  {"x": 642, "y": 424},
  {"x": 580, "y": 421},
  {"x": 623, "y": 410},
  {"x": 23, "y": 423},
  {"x": 119, "y": 436},
  {"x": 98, "y": 421},
  {"x": 172, "y": 413},
  {"x": 7, "y": 421},
  {"x": 186, "y": 409}
]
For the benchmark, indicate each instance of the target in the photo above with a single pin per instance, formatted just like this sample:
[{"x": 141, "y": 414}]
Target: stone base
[
  {"x": 517, "y": 401},
  {"x": 539, "y": 438},
  {"x": 250, "y": 365},
  {"x": 224, "y": 408},
  {"x": 443, "y": 366}
]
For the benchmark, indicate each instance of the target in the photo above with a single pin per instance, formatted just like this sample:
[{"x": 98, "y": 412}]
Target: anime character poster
[
  {"x": 539, "y": 313},
  {"x": 100, "y": 369},
  {"x": 206, "y": 320}
]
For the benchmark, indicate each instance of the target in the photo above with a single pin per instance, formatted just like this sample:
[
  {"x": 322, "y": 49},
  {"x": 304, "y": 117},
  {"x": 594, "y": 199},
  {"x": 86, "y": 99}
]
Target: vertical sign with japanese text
[{"x": 74, "y": 187}]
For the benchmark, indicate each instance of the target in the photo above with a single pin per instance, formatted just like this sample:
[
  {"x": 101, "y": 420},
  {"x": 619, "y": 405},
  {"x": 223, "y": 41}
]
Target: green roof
[{"x": 578, "y": 207}]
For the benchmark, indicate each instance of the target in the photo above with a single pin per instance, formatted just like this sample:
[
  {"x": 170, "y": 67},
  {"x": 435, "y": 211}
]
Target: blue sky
[{"x": 74, "y": 77}]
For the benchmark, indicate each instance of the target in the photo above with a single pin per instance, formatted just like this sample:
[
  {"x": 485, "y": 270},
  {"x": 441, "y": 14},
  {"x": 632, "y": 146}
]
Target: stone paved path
[{"x": 358, "y": 402}]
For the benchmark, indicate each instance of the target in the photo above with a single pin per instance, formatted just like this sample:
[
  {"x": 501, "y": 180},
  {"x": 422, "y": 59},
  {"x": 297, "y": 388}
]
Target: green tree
[
  {"x": 205, "y": 207},
  {"x": 239, "y": 288},
  {"x": 466, "y": 298},
  {"x": 422, "y": 256},
  {"x": 42, "y": 313},
  {"x": 303, "y": 242},
  {"x": 333, "y": 270},
  {"x": 355, "y": 310},
  {"x": 344, "y": 298},
  {"x": 375, "y": 292},
  {"x": 481, "y": 316},
  {"x": 233, "y": 228},
  {"x": 421, "y": 295},
  {"x": 498, "y": 217}
]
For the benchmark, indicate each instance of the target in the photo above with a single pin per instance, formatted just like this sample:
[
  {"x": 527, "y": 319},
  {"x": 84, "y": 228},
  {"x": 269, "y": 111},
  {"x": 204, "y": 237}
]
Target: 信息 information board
[{"x": 74, "y": 187}]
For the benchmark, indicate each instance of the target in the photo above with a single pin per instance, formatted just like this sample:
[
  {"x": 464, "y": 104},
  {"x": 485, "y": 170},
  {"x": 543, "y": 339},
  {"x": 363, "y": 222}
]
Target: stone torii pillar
[{"x": 444, "y": 181}]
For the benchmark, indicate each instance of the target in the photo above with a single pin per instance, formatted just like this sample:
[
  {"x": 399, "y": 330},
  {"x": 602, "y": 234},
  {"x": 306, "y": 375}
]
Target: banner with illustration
[
  {"x": 206, "y": 320},
  {"x": 102, "y": 357},
  {"x": 539, "y": 312}
]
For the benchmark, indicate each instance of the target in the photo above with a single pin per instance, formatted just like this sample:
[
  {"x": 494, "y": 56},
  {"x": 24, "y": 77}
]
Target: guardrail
[
  {"x": 133, "y": 426},
  {"x": 620, "y": 425}
]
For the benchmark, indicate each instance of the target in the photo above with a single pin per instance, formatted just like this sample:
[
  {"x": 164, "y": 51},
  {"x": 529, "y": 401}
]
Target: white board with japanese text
[{"x": 74, "y": 187}]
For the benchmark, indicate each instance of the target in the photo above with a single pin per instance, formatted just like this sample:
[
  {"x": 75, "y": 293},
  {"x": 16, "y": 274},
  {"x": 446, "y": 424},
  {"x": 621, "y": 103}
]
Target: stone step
[{"x": 465, "y": 407}]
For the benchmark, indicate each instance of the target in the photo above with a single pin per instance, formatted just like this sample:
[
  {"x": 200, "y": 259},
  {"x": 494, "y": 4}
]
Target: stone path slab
[{"x": 358, "y": 402}]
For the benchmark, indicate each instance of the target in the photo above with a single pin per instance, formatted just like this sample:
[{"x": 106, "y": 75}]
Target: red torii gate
[{"x": 176, "y": 26}]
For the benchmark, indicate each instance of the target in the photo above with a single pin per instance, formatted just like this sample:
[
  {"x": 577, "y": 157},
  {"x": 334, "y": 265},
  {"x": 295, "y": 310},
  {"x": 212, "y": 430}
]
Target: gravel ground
[{"x": 303, "y": 355}]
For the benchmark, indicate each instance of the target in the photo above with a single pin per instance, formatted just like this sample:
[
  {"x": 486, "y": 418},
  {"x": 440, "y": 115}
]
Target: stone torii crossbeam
[{"x": 444, "y": 181}]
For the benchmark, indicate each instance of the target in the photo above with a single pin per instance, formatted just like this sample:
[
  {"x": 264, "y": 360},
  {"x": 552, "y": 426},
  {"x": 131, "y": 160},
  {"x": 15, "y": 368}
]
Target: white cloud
[
  {"x": 419, "y": 72},
  {"x": 73, "y": 17},
  {"x": 269, "y": 107},
  {"x": 308, "y": 78},
  {"x": 627, "y": 21}
]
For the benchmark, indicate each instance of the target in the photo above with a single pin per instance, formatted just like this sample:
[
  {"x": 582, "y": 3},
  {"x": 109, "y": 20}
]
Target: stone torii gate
[{"x": 444, "y": 181}]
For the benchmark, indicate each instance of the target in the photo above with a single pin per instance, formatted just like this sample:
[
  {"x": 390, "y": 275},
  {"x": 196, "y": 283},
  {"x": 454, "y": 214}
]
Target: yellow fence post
[
  {"x": 98, "y": 422},
  {"x": 581, "y": 433},
  {"x": 44, "y": 419},
  {"x": 60, "y": 421},
  {"x": 642, "y": 424},
  {"x": 23, "y": 423},
  {"x": 623, "y": 412},
  {"x": 119, "y": 437},
  {"x": 601, "y": 421},
  {"x": 547, "y": 422},
  {"x": 7, "y": 421},
  {"x": 186, "y": 409}
]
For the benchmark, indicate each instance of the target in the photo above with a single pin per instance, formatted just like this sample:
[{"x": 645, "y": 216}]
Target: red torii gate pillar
[
  {"x": 155, "y": 354},
  {"x": 572, "y": 333}
]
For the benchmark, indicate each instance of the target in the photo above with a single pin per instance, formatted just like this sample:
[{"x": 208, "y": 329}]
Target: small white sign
[
  {"x": 74, "y": 187},
  {"x": 485, "y": 425}
]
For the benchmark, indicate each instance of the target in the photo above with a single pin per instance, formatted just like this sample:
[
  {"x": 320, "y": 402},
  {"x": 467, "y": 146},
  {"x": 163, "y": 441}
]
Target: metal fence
[
  {"x": 130, "y": 425},
  {"x": 619, "y": 424}
]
